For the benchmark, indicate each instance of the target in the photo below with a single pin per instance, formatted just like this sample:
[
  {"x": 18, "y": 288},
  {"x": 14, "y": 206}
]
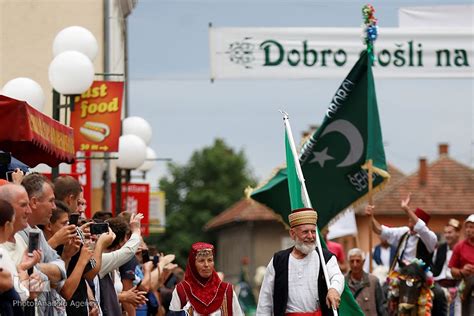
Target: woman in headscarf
[{"x": 202, "y": 292}]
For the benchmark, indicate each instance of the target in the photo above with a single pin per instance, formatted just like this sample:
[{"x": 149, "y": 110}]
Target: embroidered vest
[
  {"x": 226, "y": 307},
  {"x": 280, "y": 290}
]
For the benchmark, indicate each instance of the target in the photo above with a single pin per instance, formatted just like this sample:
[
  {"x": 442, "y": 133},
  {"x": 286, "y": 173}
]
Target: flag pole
[
  {"x": 371, "y": 33},
  {"x": 370, "y": 173},
  {"x": 305, "y": 196}
]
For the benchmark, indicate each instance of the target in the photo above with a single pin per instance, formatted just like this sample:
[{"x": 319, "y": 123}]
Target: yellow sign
[{"x": 157, "y": 215}]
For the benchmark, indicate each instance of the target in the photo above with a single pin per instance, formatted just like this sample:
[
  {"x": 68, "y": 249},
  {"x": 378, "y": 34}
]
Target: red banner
[
  {"x": 97, "y": 117},
  {"x": 33, "y": 137},
  {"x": 135, "y": 199},
  {"x": 82, "y": 169}
]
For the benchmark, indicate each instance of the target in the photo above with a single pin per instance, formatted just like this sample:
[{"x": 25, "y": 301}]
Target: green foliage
[{"x": 213, "y": 179}]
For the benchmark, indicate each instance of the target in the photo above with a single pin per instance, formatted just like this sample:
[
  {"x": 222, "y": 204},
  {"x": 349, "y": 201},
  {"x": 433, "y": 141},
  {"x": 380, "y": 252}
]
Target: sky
[{"x": 170, "y": 86}]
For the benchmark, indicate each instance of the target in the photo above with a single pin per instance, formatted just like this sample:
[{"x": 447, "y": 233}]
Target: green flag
[
  {"x": 296, "y": 184},
  {"x": 334, "y": 158}
]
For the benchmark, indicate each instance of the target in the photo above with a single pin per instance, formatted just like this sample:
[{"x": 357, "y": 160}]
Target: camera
[
  {"x": 156, "y": 259},
  {"x": 33, "y": 241},
  {"x": 145, "y": 255},
  {"x": 74, "y": 219},
  {"x": 99, "y": 228}
]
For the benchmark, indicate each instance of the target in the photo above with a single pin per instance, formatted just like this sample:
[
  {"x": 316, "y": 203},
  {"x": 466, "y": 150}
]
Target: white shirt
[
  {"x": 385, "y": 256},
  {"x": 15, "y": 249},
  {"x": 115, "y": 259},
  {"x": 393, "y": 235},
  {"x": 445, "y": 272},
  {"x": 175, "y": 305},
  {"x": 302, "y": 284},
  {"x": 7, "y": 264}
]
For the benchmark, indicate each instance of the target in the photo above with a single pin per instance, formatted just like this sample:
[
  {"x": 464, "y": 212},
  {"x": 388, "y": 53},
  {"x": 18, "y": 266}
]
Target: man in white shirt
[
  {"x": 383, "y": 254},
  {"x": 415, "y": 240},
  {"x": 406, "y": 237},
  {"x": 294, "y": 281},
  {"x": 17, "y": 196},
  {"x": 441, "y": 272}
]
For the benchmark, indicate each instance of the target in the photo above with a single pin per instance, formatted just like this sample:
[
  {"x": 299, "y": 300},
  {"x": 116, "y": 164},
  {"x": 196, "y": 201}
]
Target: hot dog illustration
[{"x": 95, "y": 131}]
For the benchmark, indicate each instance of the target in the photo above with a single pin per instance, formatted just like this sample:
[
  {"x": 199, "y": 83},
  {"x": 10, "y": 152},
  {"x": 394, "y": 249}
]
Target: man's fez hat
[
  {"x": 425, "y": 217},
  {"x": 303, "y": 216}
]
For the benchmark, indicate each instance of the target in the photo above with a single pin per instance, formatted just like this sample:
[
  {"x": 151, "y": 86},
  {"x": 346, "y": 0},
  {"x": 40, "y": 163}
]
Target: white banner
[
  {"x": 283, "y": 53},
  {"x": 437, "y": 16}
]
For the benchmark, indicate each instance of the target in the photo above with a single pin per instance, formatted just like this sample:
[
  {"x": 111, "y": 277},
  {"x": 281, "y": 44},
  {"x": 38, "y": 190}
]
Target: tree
[{"x": 213, "y": 179}]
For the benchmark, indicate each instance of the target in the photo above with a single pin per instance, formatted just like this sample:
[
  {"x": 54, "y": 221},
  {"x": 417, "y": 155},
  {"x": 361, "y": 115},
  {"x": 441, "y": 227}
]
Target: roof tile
[
  {"x": 449, "y": 190},
  {"x": 245, "y": 210}
]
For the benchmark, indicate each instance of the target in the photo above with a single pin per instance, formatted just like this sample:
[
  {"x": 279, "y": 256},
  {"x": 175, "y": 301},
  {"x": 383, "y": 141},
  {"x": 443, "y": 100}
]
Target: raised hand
[
  {"x": 71, "y": 248},
  {"x": 148, "y": 266},
  {"x": 17, "y": 176},
  {"x": 86, "y": 230},
  {"x": 369, "y": 210},
  {"x": 405, "y": 204},
  {"x": 86, "y": 255},
  {"x": 106, "y": 239},
  {"x": 135, "y": 222},
  {"x": 63, "y": 236}
]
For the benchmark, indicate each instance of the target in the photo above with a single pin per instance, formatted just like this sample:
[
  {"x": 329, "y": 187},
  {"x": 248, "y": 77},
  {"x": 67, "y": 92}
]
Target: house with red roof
[{"x": 443, "y": 188}]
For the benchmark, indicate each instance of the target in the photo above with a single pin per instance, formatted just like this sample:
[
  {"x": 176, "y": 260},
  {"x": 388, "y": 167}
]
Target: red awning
[{"x": 33, "y": 137}]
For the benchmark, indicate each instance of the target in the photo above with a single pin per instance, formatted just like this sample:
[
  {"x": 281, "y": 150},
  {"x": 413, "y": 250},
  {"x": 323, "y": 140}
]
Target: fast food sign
[{"x": 96, "y": 118}]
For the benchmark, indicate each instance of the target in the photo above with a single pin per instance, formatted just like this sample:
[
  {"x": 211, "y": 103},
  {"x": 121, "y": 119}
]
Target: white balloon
[
  {"x": 25, "y": 89},
  {"x": 132, "y": 152},
  {"x": 149, "y": 161},
  {"x": 71, "y": 73},
  {"x": 134, "y": 125},
  {"x": 76, "y": 38}
]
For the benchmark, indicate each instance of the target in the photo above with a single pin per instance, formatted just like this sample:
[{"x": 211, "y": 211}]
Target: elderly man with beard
[{"x": 294, "y": 283}]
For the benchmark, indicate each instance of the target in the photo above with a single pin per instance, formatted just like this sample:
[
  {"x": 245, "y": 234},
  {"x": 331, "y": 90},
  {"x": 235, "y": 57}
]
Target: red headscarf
[{"x": 205, "y": 295}]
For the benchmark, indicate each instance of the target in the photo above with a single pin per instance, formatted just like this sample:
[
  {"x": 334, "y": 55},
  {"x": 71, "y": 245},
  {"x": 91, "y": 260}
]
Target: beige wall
[
  {"x": 256, "y": 240},
  {"x": 234, "y": 243},
  {"x": 268, "y": 240},
  {"x": 27, "y": 31}
]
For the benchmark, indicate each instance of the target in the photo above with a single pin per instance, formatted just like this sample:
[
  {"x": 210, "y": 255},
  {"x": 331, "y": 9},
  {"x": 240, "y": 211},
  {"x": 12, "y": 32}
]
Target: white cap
[{"x": 470, "y": 219}]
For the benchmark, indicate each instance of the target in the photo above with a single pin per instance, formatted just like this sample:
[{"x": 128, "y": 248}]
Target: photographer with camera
[
  {"x": 82, "y": 301},
  {"x": 118, "y": 253}
]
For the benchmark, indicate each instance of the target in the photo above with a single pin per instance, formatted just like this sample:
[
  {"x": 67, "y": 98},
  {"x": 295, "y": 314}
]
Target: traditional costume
[
  {"x": 408, "y": 243},
  {"x": 297, "y": 286},
  {"x": 417, "y": 244},
  {"x": 200, "y": 296}
]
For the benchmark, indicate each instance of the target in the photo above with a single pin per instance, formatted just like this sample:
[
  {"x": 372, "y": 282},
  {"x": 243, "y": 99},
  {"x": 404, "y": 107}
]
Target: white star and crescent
[
  {"x": 321, "y": 157},
  {"x": 353, "y": 136}
]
